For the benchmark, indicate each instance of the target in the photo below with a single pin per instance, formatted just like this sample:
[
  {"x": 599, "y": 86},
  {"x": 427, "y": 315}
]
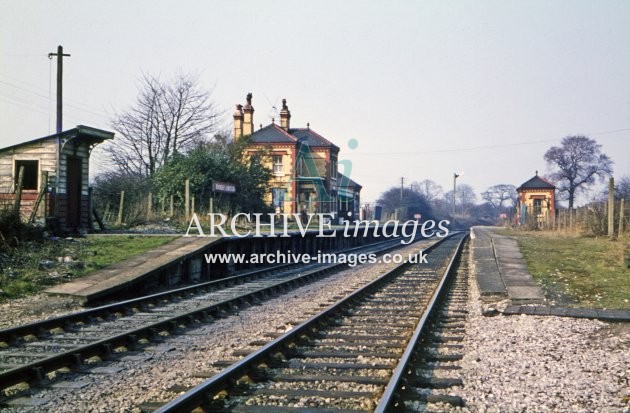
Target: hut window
[{"x": 29, "y": 180}]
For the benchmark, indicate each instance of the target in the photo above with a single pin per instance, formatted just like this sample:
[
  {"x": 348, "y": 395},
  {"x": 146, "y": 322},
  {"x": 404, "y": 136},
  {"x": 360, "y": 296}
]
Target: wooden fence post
[
  {"x": 620, "y": 218},
  {"x": 120, "y": 208},
  {"x": 40, "y": 196},
  {"x": 611, "y": 207},
  {"x": 18, "y": 192},
  {"x": 566, "y": 220},
  {"x": 187, "y": 199},
  {"x": 149, "y": 205},
  {"x": 172, "y": 211},
  {"x": 90, "y": 207}
]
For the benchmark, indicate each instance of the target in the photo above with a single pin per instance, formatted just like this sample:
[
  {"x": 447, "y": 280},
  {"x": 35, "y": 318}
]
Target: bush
[
  {"x": 106, "y": 196},
  {"x": 13, "y": 231}
]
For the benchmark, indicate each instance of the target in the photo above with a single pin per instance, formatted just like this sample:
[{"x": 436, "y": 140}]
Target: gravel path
[{"x": 544, "y": 364}]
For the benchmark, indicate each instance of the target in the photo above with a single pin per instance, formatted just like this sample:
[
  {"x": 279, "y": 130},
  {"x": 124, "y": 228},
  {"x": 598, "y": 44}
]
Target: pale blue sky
[{"x": 426, "y": 87}]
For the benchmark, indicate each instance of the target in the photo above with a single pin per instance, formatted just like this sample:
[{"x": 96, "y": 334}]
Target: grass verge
[
  {"x": 578, "y": 271},
  {"x": 35, "y": 265}
]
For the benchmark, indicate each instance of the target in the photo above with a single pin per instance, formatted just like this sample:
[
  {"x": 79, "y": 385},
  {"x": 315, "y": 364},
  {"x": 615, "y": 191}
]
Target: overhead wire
[
  {"x": 476, "y": 148},
  {"x": 67, "y": 101}
]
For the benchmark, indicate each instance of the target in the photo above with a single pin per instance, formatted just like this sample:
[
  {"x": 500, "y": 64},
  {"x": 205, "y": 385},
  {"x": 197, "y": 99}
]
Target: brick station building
[
  {"x": 537, "y": 201},
  {"x": 304, "y": 164}
]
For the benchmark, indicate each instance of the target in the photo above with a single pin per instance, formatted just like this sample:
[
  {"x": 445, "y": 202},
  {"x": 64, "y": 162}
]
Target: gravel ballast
[
  {"x": 158, "y": 373},
  {"x": 544, "y": 364},
  {"x": 511, "y": 363}
]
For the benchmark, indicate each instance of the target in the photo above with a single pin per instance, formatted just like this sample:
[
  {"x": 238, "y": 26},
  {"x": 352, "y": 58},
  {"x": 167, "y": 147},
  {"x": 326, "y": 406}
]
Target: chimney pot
[
  {"x": 248, "y": 116},
  {"x": 238, "y": 122},
  {"x": 285, "y": 116}
]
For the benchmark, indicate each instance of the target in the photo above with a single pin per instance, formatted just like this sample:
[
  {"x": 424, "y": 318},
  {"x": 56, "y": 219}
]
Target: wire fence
[{"x": 593, "y": 219}]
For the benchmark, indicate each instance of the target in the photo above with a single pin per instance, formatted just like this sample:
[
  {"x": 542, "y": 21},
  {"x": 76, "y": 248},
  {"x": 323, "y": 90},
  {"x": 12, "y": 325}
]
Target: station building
[
  {"x": 55, "y": 173},
  {"x": 304, "y": 164},
  {"x": 537, "y": 202}
]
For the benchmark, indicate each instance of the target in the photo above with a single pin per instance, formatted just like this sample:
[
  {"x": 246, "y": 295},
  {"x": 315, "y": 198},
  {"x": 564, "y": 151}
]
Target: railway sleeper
[
  {"x": 284, "y": 409},
  {"x": 280, "y": 377},
  {"x": 447, "y": 339},
  {"x": 354, "y": 344},
  {"x": 433, "y": 382},
  {"x": 313, "y": 393},
  {"x": 298, "y": 364},
  {"x": 442, "y": 357},
  {"x": 361, "y": 337},
  {"x": 412, "y": 394},
  {"x": 435, "y": 366},
  {"x": 350, "y": 355}
]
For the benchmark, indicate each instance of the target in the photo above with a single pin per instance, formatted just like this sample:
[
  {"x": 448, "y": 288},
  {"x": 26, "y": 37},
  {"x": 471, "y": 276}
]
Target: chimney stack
[
  {"x": 285, "y": 116},
  {"x": 248, "y": 116},
  {"x": 238, "y": 122}
]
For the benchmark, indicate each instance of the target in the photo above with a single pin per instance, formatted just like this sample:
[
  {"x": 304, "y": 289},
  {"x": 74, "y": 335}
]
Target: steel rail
[
  {"x": 36, "y": 371},
  {"x": 388, "y": 399},
  {"x": 201, "y": 395},
  {"x": 42, "y": 327}
]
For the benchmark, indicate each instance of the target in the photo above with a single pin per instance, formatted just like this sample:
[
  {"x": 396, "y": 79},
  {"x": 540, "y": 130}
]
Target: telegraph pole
[
  {"x": 455, "y": 176},
  {"x": 60, "y": 56},
  {"x": 402, "y": 183}
]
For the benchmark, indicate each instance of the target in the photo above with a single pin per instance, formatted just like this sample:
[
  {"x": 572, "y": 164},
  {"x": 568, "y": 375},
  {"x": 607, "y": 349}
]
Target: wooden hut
[{"x": 54, "y": 182}]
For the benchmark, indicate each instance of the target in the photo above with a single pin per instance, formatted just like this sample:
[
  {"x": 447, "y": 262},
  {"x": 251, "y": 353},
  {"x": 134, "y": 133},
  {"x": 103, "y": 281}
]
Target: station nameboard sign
[{"x": 223, "y": 187}]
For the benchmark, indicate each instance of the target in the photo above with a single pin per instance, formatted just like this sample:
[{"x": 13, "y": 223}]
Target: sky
[{"x": 427, "y": 88}]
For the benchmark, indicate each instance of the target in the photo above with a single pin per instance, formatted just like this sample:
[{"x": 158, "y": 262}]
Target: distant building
[
  {"x": 537, "y": 201},
  {"x": 304, "y": 164},
  {"x": 349, "y": 198},
  {"x": 65, "y": 158}
]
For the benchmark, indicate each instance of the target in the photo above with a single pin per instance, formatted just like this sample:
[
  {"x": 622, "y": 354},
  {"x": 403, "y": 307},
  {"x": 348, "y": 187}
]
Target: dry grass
[
  {"x": 578, "y": 270},
  {"x": 22, "y": 272}
]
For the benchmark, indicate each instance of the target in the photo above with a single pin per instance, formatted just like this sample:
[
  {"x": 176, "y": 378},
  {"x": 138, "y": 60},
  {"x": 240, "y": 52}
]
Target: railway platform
[
  {"x": 501, "y": 270},
  {"x": 502, "y": 274},
  {"x": 128, "y": 273}
]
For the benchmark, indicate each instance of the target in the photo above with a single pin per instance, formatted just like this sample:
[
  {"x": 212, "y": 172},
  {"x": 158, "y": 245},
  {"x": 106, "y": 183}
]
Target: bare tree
[
  {"x": 622, "y": 188},
  {"x": 167, "y": 118},
  {"x": 465, "y": 199},
  {"x": 497, "y": 195},
  {"x": 430, "y": 189},
  {"x": 411, "y": 203},
  {"x": 578, "y": 161}
]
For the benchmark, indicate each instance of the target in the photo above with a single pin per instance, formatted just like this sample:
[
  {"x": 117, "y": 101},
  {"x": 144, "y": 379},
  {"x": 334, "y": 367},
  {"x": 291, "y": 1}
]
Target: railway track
[
  {"x": 428, "y": 370},
  {"x": 363, "y": 353},
  {"x": 37, "y": 352}
]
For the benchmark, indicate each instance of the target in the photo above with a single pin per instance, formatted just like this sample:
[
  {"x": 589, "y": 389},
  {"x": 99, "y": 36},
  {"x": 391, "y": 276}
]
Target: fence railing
[{"x": 591, "y": 219}]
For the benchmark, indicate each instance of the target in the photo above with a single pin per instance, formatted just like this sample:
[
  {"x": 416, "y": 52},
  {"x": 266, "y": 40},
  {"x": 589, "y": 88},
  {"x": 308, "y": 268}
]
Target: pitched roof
[
  {"x": 275, "y": 134},
  {"x": 272, "y": 134},
  {"x": 345, "y": 182},
  {"x": 536, "y": 183},
  {"x": 312, "y": 138},
  {"x": 85, "y": 133}
]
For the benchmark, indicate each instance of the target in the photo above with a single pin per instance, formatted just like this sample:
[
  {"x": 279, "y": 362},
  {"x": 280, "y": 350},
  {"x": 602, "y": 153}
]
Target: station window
[
  {"x": 31, "y": 171},
  {"x": 277, "y": 165},
  {"x": 333, "y": 169}
]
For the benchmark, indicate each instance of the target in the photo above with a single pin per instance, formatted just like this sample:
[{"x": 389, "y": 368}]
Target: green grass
[
  {"x": 578, "y": 271},
  {"x": 20, "y": 272}
]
